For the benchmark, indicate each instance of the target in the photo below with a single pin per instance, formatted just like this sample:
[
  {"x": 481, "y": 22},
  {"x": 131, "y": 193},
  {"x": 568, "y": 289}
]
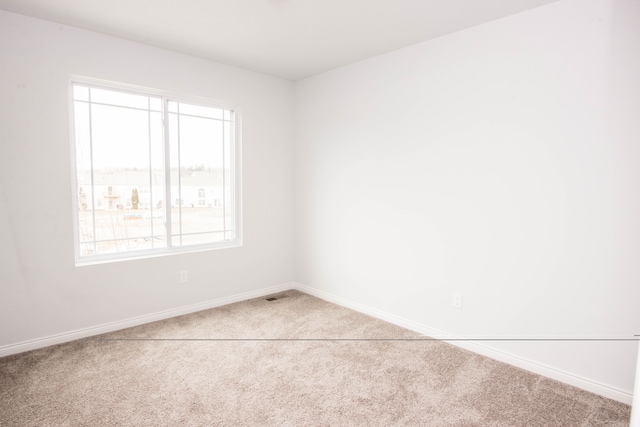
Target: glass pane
[
  {"x": 198, "y": 110},
  {"x": 125, "y": 245},
  {"x": 156, "y": 207},
  {"x": 200, "y": 143},
  {"x": 120, "y": 138},
  {"x": 86, "y": 249},
  {"x": 202, "y": 239},
  {"x": 82, "y": 142},
  {"x": 85, "y": 200},
  {"x": 176, "y": 210},
  {"x": 174, "y": 144},
  {"x": 196, "y": 219},
  {"x": 201, "y": 164},
  {"x": 123, "y": 179},
  {"x": 175, "y": 202},
  {"x": 229, "y": 184},
  {"x": 156, "y": 142},
  {"x": 155, "y": 104},
  {"x": 83, "y": 167},
  {"x": 104, "y": 96},
  {"x": 80, "y": 93}
]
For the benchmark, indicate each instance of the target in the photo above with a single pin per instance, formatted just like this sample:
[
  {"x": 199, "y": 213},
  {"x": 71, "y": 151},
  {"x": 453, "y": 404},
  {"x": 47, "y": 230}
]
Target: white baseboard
[
  {"x": 135, "y": 321},
  {"x": 520, "y": 362},
  {"x": 529, "y": 365}
]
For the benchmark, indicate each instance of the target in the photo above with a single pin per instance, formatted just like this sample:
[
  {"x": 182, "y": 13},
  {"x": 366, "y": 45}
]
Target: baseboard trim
[
  {"x": 482, "y": 349},
  {"x": 527, "y": 364},
  {"x": 135, "y": 321}
]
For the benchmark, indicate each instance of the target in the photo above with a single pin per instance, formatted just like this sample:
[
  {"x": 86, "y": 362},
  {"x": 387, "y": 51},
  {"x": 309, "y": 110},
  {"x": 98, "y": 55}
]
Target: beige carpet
[{"x": 205, "y": 376}]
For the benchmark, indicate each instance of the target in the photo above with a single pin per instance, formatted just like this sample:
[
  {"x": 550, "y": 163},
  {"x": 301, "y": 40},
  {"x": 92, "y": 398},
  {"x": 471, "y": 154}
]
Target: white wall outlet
[
  {"x": 184, "y": 276},
  {"x": 457, "y": 300}
]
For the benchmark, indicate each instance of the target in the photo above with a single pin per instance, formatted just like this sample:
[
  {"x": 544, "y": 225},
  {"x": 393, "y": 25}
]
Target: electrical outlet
[
  {"x": 184, "y": 276},
  {"x": 457, "y": 300}
]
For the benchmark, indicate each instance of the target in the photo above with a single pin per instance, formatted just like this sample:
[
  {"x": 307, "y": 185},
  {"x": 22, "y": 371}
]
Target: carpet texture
[{"x": 298, "y": 379}]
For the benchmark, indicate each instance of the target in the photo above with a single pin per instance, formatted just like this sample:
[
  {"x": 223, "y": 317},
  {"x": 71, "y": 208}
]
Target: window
[{"x": 133, "y": 150}]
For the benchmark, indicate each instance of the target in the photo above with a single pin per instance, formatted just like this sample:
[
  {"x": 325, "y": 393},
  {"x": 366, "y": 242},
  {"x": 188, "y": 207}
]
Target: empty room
[{"x": 299, "y": 212}]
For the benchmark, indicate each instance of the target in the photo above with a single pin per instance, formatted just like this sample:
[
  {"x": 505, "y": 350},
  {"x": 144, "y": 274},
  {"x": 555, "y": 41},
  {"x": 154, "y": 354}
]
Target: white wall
[
  {"x": 501, "y": 162},
  {"x": 42, "y": 293}
]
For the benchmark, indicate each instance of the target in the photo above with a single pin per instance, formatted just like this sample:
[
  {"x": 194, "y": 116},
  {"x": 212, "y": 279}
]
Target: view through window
[{"x": 153, "y": 174}]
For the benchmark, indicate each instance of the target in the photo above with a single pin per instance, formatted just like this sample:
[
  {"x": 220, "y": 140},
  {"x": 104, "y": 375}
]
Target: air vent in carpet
[{"x": 277, "y": 298}]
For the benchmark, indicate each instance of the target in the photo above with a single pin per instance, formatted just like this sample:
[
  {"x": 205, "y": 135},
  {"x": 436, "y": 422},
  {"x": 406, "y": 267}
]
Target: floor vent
[{"x": 277, "y": 298}]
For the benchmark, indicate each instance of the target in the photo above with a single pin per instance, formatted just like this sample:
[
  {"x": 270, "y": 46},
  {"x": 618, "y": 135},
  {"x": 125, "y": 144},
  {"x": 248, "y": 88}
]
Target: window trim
[{"x": 236, "y": 191}]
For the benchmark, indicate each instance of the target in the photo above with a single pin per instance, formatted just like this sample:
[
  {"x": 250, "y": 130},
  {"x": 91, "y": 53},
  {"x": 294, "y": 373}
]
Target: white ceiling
[{"x": 291, "y": 39}]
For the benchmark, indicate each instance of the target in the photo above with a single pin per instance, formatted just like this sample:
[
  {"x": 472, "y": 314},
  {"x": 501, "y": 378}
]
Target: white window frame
[{"x": 236, "y": 193}]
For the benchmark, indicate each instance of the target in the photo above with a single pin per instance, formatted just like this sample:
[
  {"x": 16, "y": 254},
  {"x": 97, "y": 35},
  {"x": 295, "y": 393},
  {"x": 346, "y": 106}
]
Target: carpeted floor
[{"x": 220, "y": 367}]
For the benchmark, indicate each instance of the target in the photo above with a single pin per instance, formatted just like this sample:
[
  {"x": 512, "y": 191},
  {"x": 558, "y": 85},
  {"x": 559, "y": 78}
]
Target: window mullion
[
  {"x": 93, "y": 189},
  {"x": 224, "y": 183},
  {"x": 150, "y": 170},
  {"x": 179, "y": 173},
  {"x": 167, "y": 173}
]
